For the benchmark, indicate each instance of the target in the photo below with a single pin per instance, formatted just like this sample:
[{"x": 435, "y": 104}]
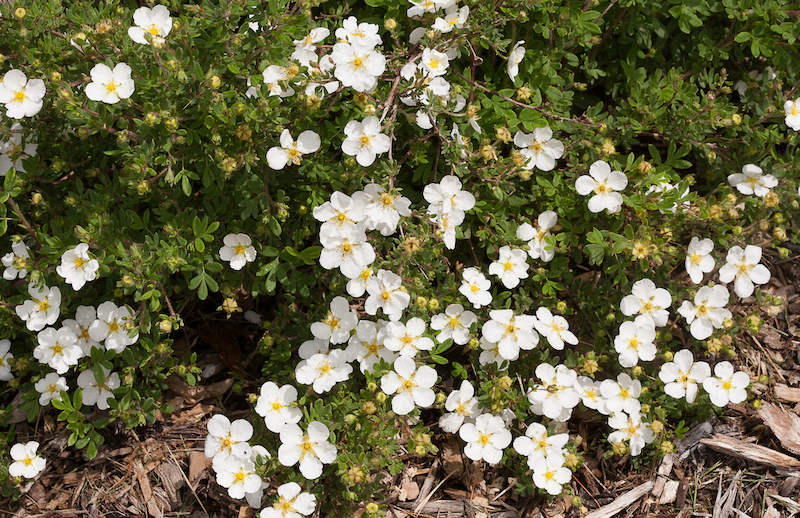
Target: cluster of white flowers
[
  {"x": 448, "y": 205},
  {"x": 358, "y": 64},
  {"x": 233, "y": 459}
]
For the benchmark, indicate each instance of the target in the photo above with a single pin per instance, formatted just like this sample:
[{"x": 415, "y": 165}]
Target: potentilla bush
[{"x": 447, "y": 217}]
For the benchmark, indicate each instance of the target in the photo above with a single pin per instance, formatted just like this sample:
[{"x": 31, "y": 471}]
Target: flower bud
[
  {"x": 214, "y": 82},
  {"x": 757, "y": 404},
  {"x": 667, "y": 447},
  {"x": 519, "y": 160},
  {"x": 19, "y": 13},
  {"x": 619, "y": 448},
  {"x": 372, "y": 386},
  {"x": 608, "y": 148},
  {"x": 753, "y": 324},
  {"x": 55, "y": 76},
  {"x": 715, "y": 212},
  {"x": 441, "y": 397},
  {"x": 779, "y": 234},
  {"x": 488, "y": 152},
  {"x": 433, "y": 304},
  {"x": 380, "y": 397},
  {"x": 644, "y": 167},
  {"x": 230, "y": 306},
  {"x": 668, "y": 356},
  {"x": 165, "y": 326},
  {"x": 736, "y": 119},
  {"x": 171, "y": 124},
  {"x": 737, "y": 230},
  {"x": 523, "y": 93},
  {"x": 637, "y": 371},
  {"x": 783, "y": 253},
  {"x": 771, "y": 199},
  {"x": 369, "y": 408},
  {"x": 474, "y": 344},
  {"x": 372, "y": 507},
  {"x": 590, "y": 367},
  {"x": 390, "y": 24},
  {"x": 503, "y": 134},
  {"x": 370, "y": 109}
]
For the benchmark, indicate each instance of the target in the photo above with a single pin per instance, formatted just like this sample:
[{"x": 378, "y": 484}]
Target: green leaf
[{"x": 742, "y": 37}]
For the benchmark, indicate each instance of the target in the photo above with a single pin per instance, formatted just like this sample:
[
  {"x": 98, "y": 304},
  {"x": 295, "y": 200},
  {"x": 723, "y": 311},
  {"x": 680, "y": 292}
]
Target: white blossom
[
  {"x": 156, "y": 22},
  {"x": 726, "y": 386},
  {"x": 16, "y": 261},
  {"x": 311, "y": 449},
  {"x": 682, "y": 375},
  {"x": 454, "y": 323},
  {"x": 486, "y": 439},
  {"x": 540, "y": 148},
  {"x": 77, "y": 268},
  {"x": 22, "y": 98},
  {"x": 743, "y": 268},
  {"x": 291, "y": 151},
  {"x": 365, "y": 141},
  {"x": 698, "y": 259},
  {"x": 411, "y": 385},
  {"x": 708, "y": 311},
  {"x": 604, "y": 183},
  {"x": 752, "y": 181},
  {"x": 110, "y": 86},
  {"x": 98, "y": 393}
]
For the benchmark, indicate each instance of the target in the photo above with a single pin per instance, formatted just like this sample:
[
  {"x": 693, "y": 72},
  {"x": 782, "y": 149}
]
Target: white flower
[
  {"x": 77, "y": 268},
  {"x": 555, "y": 397},
  {"x": 622, "y": 395},
  {"x": 156, "y": 22},
  {"x": 537, "y": 444},
  {"x": 708, "y": 311},
  {"x": 225, "y": 438},
  {"x": 486, "y": 439},
  {"x": 22, "y": 98},
  {"x": 635, "y": 341},
  {"x": 743, "y": 266},
  {"x": 752, "y": 181},
  {"x": 384, "y": 212},
  {"x": 349, "y": 252},
  {"x": 43, "y": 308},
  {"x": 698, "y": 259},
  {"x": 292, "y": 151},
  {"x": 540, "y": 148},
  {"x": 753, "y": 77},
  {"x": 360, "y": 34},
  {"x": 365, "y": 140},
  {"x": 460, "y": 404},
  {"x": 310, "y": 449},
  {"x": 434, "y": 63},
  {"x": 340, "y": 215},
  {"x": 550, "y": 474},
  {"x": 305, "y": 49},
  {"x": 589, "y": 390},
  {"x": 792, "y": 109},
  {"x": 604, "y": 183},
  {"x": 58, "y": 349},
  {"x": 16, "y": 262},
  {"x": 109, "y": 86},
  {"x": 539, "y": 238},
  {"x": 649, "y": 301},
  {"x": 454, "y": 323},
  {"x": 323, "y": 371},
  {"x": 385, "y": 293},
  {"x": 447, "y": 197},
  {"x": 26, "y": 462},
  {"x": 12, "y": 153},
  {"x": 238, "y": 250},
  {"x": 98, "y": 393},
  {"x": 418, "y": 8},
  {"x": 358, "y": 285},
  {"x": 275, "y": 405},
  {"x": 357, "y": 66},
  {"x": 490, "y": 353},
  {"x": 475, "y": 286},
  {"x": 510, "y": 332},
  {"x": 412, "y": 385},
  {"x": 514, "y": 59},
  {"x": 273, "y": 76},
  {"x": 112, "y": 326},
  {"x": 453, "y": 18},
  {"x": 511, "y": 266},
  {"x": 49, "y": 387},
  {"x": 366, "y": 346},
  {"x": 682, "y": 375},
  {"x": 238, "y": 474},
  {"x": 406, "y": 339},
  {"x": 291, "y": 503},
  {"x": 726, "y": 386},
  {"x": 5, "y": 356},
  {"x": 555, "y": 328},
  {"x": 337, "y": 325},
  {"x": 631, "y": 429}
]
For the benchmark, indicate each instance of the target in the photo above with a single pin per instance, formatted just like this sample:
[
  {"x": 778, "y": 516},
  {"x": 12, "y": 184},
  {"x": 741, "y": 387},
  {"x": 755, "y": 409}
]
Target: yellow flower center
[
  {"x": 225, "y": 443},
  {"x": 52, "y": 388},
  {"x": 332, "y": 321},
  {"x": 702, "y": 310},
  {"x": 358, "y": 63},
  {"x": 407, "y": 385},
  {"x": 387, "y": 199},
  {"x": 57, "y": 348},
  {"x": 511, "y": 329},
  {"x": 27, "y": 461},
  {"x": 549, "y": 475},
  {"x": 346, "y": 247},
  {"x": 743, "y": 268},
  {"x": 372, "y": 348},
  {"x": 602, "y": 188},
  {"x": 634, "y": 344},
  {"x": 239, "y": 249},
  {"x": 696, "y": 258},
  {"x": 240, "y": 476},
  {"x": 325, "y": 367},
  {"x": 648, "y": 306},
  {"x": 461, "y": 409},
  {"x": 276, "y": 406},
  {"x": 484, "y": 438},
  {"x": 386, "y": 295},
  {"x": 306, "y": 447},
  {"x": 474, "y": 288},
  {"x": 453, "y": 322},
  {"x": 536, "y": 147},
  {"x": 364, "y": 140},
  {"x": 153, "y": 29},
  {"x": 624, "y": 394},
  {"x": 113, "y": 327},
  {"x": 285, "y": 506},
  {"x": 727, "y": 385},
  {"x": 43, "y": 305},
  {"x": 19, "y": 96},
  {"x": 508, "y": 266},
  {"x": 79, "y": 262},
  {"x": 111, "y": 87},
  {"x": 433, "y": 63}
]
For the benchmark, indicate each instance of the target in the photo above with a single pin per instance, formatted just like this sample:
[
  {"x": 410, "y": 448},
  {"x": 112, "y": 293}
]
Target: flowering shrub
[{"x": 169, "y": 190}]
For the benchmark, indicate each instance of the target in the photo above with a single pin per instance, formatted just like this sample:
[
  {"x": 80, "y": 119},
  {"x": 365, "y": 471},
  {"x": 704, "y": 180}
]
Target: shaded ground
[{"x": 745, "y": 463}]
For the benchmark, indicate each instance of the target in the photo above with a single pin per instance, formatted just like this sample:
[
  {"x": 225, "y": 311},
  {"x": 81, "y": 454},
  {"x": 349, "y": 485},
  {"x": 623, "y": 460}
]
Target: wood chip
[
  {"x": 172, "y": 479},
  {"x": 670, "y": 492},
  {"x": 787, "y": 394},
  {"x": 198, "y": 462},
  {"x": 147, "y": 491},
  {"x": 622, "y": 502},
  {"x": 752, "y": 452},
  {"x": 785, "y": 425}
]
